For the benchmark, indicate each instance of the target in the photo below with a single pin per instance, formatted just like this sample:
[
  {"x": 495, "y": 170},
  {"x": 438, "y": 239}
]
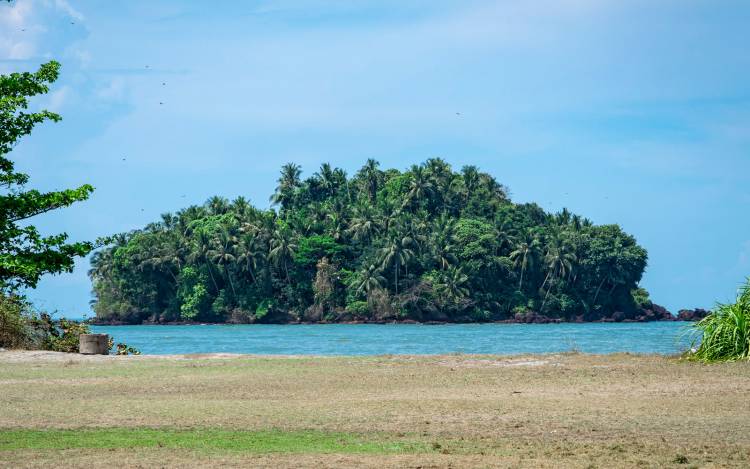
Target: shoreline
[
  {"x": 505, "y": 359},
  {"x": 381, "y": 323}
]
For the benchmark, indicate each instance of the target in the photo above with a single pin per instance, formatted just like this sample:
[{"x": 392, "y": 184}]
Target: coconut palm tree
[
  {"x": 250, "y": 255},
  {"x": 327, "y": 179},
  {"x": 370, "y": 176},
  {"x": 420, "y": 186},
  {"x": 441, "y": 242},
  {"x": 559, "y": 261},
  {"x": 201, "y": 253},
  {"x": 363, "y": 226},
  {"x": 282, "y": 248},
  {"x": 525, "y": 255},
  {"x": 368, "y": 280},
  {"x": 288, "y": 184},
  {"x": 397, "y": 252},
  {"x": 470, "y": 174},
  {"x": 223, "y": 254},
  {"x": 453, "y": 283},
  {"x": 218, "y": 205}
]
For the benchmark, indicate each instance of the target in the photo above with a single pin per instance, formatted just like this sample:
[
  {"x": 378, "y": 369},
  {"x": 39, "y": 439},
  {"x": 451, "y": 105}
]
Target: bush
[
  {"x": 21, "y": 327},
  {"x": 358, "y": 309},
  {"x": 725, "y": 333},
  {"x": 14, "y": 331},
  {"x": 62, "y": 335}
]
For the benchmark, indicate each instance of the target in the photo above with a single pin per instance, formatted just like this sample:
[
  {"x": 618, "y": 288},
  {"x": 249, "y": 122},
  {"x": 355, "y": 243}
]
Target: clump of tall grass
[{"x": 725, "y": 333}]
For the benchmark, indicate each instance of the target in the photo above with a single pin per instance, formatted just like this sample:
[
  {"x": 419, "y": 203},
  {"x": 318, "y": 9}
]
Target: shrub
[
  {"x": 725, "y": 333},
  {"x": 62, "y": 335},
  {"x": 358, "y": 309},
  {"x": 14, "y": 331}
]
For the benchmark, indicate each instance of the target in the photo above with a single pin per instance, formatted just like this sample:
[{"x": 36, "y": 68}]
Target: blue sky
[{"x": 631, "y": 112}]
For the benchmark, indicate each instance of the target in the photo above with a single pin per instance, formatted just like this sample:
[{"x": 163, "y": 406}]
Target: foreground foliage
[
  {"x": 725, "y": 333},
  {"x": 425, "y": 244},
  {"x": 26, "y": 255},
  {"x": 22, "y": 327}
]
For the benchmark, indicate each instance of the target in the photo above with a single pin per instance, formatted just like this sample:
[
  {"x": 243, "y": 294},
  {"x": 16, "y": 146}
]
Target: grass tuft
[{"x": 725, "y": 333}]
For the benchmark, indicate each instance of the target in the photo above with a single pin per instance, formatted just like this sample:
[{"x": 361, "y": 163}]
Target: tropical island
[{"x": 428, "y": 244}]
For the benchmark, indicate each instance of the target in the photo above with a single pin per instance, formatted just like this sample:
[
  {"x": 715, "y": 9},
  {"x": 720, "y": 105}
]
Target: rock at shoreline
[
  {"x": 532, "y": 317},
  {"x": 692, "y": 314},
  {"x": 654, "y": 313}
]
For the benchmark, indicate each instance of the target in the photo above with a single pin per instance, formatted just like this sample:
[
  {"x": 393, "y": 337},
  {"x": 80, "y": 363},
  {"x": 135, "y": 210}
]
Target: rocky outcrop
[
  {"x": 532, "y": 317},
  {"x": 654, "y": 312},
  {"x": 692, "y": 314}
]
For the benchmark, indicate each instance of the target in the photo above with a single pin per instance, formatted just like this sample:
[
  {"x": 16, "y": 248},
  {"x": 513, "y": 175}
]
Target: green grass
[
  {"x": 271, "y": 441},
  {"x": 725, "y": 333}
]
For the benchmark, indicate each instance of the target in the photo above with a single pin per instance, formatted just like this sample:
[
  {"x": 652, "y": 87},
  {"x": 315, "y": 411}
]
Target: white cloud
[
  {"x": 16, "y": 34},
  {"x": 114, "y": 90},
  {"x": 23, "y": 26},
  {"x": 57, "y": 99},
  {"x": 64, "y": 6}
]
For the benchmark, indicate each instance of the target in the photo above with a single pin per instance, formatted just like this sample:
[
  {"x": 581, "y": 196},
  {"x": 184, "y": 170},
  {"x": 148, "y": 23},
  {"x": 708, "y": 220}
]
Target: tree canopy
[
  {"x": 25, "y": 254},
  {"x": 426, "y": 244}
]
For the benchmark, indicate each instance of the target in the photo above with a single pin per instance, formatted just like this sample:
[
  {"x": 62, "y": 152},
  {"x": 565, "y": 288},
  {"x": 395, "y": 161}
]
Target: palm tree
[
  {"x": 524, "y": 256},
  {"x": 218, "y": 205},
  {"x": 370, "y": 176},
  {"x": 363, "y": 226},
  {"x": 282, "y": 248},
  {"x": 336, "y": 225},
  {"x": 441, "y": 242},
  {"x": 201, "y": 253},
  {"x": 453, "y": 283},
  {"x": 241, "y": 207},
  {"x": 102, "y": 264},
  {"x": 397, "y": 252},
  {"x": 250, "y": 255},
  {"x": 559, "y": 260},
  {"x": 420, "y": 186},
  {"x": 288, "y": 184},
  {"x": 327, "y": 179},
  {"x": 470, "y": 175},
  {"x": 223, "y": 254},
  {"x": 504, "y": 235},
  {"x": 368, "y": 280}
]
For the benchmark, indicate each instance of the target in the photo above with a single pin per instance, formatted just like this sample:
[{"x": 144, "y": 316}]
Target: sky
[{"x": 625, "y": 111}]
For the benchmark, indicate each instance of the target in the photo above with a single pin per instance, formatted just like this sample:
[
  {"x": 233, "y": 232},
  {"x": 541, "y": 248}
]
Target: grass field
[{"x": 565, "y": 410}]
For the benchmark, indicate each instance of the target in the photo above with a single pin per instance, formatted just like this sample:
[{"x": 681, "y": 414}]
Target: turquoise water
[{"x": 374, "y": 339}]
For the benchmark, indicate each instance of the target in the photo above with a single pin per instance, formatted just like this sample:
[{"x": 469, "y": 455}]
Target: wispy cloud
[{"x": 25, "y": 30}]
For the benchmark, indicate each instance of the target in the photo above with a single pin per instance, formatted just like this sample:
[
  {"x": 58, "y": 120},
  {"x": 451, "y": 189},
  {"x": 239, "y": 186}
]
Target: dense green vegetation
[
  {"x": 724, "y": 334},
  {"x": 427, "y": 244}
]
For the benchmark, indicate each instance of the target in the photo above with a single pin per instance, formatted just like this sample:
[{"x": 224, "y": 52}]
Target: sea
[{"x": 666, "y": 337}]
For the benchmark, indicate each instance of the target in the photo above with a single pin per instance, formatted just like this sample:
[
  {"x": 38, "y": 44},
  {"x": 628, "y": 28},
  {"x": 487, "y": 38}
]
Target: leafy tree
[{"x": 25, "y": 254}]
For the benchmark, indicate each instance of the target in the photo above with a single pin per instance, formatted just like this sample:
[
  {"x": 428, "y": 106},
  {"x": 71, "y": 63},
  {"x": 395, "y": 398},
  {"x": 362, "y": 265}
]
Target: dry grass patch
[{"x": 556, "y": 410}]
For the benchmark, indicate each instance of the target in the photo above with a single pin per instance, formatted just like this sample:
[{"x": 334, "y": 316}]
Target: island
[{"x": 428, "y": 244}]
